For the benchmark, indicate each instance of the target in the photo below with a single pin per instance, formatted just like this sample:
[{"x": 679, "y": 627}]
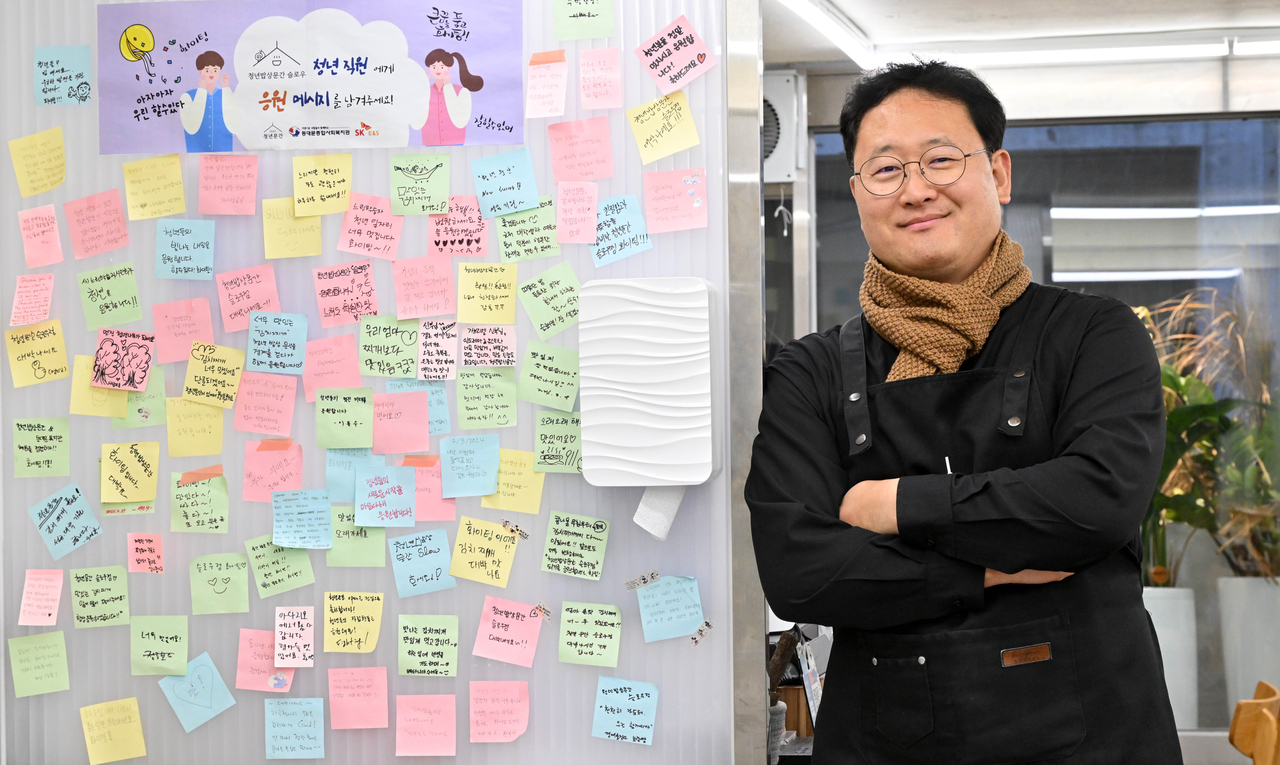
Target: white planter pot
[
  {"x": 1250, "y": 609},
  {"x": 1173, "y": 612}
]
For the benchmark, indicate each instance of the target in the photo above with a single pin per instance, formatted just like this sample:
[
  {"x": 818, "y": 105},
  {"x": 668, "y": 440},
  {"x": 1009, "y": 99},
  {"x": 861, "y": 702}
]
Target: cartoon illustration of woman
[{"x": 449, "y": 108}]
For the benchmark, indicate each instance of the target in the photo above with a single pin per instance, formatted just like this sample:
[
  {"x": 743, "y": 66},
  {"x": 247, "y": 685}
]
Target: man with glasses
[{"x": 955, "y": 479}]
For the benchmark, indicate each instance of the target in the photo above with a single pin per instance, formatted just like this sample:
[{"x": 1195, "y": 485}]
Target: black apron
[{"x": 1067, "y": 672}]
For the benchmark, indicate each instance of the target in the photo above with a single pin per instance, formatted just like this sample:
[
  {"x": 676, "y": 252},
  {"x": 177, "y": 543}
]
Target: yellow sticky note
[
  {"x": 95, "y": 402},
  {"x": 483, "y": 552},
  {"x": 486, "y": 293},
  {"x": 321, "y": 184},
  {"x": 130, "y": 471},
  {"x": 37, "y": 353},
  {"x": 113, "y": 731},
  {"x": 352, "y": 621},
  {"x": 153, "y": 187},
  {"x": 286, "y": 235},
  {"x": 39, "y": 161},
  {"x": 663, "y": 127},
  {"x": 519, "y": 487},
  {"x": 195, "y": 430},
  {"x": 213, "y": 374}
]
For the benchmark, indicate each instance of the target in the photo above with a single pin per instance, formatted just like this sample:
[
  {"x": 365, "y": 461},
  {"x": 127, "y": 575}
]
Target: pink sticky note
[
  {"x": 459, "y": 233},
  {"x": 428, "y": 504},
  {"x": 178, "y": 325},
  {"x": 369, "y": 228},
  {"x": 675, "y": 200},
  {"x": 600, "y": 78},
  {"x": 398, "y": 422},
  {"x": 576, "y": 212},
  {"x": 97, "y": 224},
  {"x": 345, "y": 293},
  {"x": 255, "y": 665},
  {"x": 488, "y": 345},
  {"x": 295, "y": 636},
  {"x": 675, "y": 56},
  {"x": 264, "y": 403},
  {"x": 424, "y": 287},
  {"x": 508, "y": 631},
  {"x": 146, "y": 553},
  {"x": 548, "y": 83},
  {"x": 32, "y": 298},
  {"x": 499, "y": 710},
  {"x": 331, "y": 363},
  {"x": 426, "y": 726},
  {"x": 580, "y": 150},
  {"x": 437, "y": 349},
  {"x": 358, "y": 698},
  {"x": 228, "y": 184},
  {"x": 241, "y": 292},
  {"x": 268, "y": 471},
  {"x": 41, "y": 594},
  {"x": 122, "y": 359},
  {"x": 41, "y": 243}
]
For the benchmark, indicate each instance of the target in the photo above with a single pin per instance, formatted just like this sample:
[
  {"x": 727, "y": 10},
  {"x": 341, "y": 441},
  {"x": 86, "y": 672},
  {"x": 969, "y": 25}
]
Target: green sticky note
[
  {"x": 109, "y": 296},
  {"x": 220, "y": 584},
  {"x": 388, "y": 348},
  {"x": 41, "y": 447},
  {"x": 278, "y": 569},
  {"x": 99, "y": 596},
  {"x": 557, "y": 443},
  {"x": 428, "y": 645},
  {"x": 201, "y": 507},
  {"x": 487, "y": 397},
  {"x": 355, "y": 546},
  {"x": 590, "y": 633},
  {"x": 575, "y": 545},
  {"x": 158, "y": 645},
  {"x": 582, "y": 19},
  {"x": 549, "y": 376},
  {"x": 420, "y": 184},
  {"x": 551, "y": 300},
  {"x": 530, "y": 234},
  {"x": 39, "y": 664},
  {"x": 344, "y": 418},
  {"x": 146, "y": 407}
]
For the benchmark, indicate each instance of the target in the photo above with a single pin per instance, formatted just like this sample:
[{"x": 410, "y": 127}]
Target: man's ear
[{"x": 1002, "y": 174}]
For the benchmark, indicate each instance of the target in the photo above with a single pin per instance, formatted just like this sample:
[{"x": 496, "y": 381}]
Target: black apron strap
[
  {"x": 853, "y": 372},
  {"x": 1017, "y": 383}
]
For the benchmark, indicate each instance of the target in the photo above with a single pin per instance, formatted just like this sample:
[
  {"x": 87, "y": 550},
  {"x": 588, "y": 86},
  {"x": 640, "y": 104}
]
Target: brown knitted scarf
[{"x": 937, "y": 326}]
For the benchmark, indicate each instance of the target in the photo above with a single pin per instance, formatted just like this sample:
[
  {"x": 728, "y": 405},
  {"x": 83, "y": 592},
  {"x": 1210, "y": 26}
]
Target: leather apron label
[{"x": 1011, "y": 657}]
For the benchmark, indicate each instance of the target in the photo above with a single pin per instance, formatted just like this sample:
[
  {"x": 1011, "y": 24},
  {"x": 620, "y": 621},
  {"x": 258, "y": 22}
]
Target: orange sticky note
[
  {"x": 499, "y": 710},
  {"x": 145, "y": 553},
  {"x": 41, "y": 244},
  {"x": 369, "y": 228},
  {"x": 32, "y": 298},
  {"x": 264, "y": 403},
  {"x": 178, "y": 325},
  {"x": 332, "y": 362},
  {"x": 203, "y": 474},
  {"x": 97, "y": 224},
  {"x": 426, "y": 726},
  {"x": 580, "y": 150},
  {"x": 228, "y": 184},
  {"x": 358, "y": 698},
  {"x": 460, "y": 233},
  {"x": 255, "y": 668},
  {"x": 600, "y": 78},
  {"x": 268, "y": 471},
  {"x": 241, "y": 292},
  {"x": 576, "y": 212},
  {"x": 675, "y": 200},
  {"x": 428, "y": 504},
  {"x": 41, "y": 594},
  {"x": 424, "y": 287},
  {"x": 508, "y": 631},
  {"x": 397, "y": 422},
  {"x": 345, "y": 293}
]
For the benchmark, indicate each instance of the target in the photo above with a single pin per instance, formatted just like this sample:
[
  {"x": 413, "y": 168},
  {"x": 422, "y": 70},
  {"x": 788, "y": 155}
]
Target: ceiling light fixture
[
  {"x": 1158, "y": 213},
  {"x": 1046, "y": 57},
  {"x": 832, "y": 24},
  {"x": 1198, "y": 274},
  {"x": 1256, "y": 47}
]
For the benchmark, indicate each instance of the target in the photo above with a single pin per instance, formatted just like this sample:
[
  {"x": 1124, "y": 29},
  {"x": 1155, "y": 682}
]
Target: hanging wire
[{"x": 784, "y": 212}]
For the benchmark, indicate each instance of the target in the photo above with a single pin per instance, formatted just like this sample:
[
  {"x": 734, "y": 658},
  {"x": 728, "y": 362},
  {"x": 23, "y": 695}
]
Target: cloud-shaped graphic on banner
[{"x": 325, "y": 81}]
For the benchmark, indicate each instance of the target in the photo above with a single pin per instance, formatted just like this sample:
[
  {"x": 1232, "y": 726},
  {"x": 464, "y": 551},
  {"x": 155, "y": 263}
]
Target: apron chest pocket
[{"x": 904, "y": 711}]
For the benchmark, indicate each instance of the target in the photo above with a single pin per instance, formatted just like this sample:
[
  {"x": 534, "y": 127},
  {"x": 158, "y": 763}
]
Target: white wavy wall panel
[{"x": 645, "y": 383}]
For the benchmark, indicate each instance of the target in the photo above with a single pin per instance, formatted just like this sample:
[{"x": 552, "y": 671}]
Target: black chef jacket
[{"x": 1041, "y": 452}]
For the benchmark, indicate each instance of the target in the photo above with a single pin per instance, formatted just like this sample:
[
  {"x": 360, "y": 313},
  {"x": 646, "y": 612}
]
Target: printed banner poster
[{"x": 220, "y": 75}]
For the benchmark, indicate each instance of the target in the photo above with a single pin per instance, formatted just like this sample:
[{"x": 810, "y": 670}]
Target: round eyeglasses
[{"x": 940, "y": 166}]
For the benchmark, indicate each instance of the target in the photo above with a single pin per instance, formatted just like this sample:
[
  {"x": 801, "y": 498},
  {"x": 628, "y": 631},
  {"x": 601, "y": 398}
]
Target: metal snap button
[
  {"x": 1020, "y": 373},
  {"x": 922, "y": 660},
  {"x": 855, "y": 396},
  {"x": 1015, "y": 421},
  {"x": 862, "y": 437},
  {"x": 873, "y": 661}
]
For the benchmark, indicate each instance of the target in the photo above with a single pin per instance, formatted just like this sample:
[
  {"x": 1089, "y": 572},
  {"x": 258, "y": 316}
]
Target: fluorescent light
[
  {"x": 833, "y": 29},
  {"x": 1256, "y": 48},
  {"x": 1146, "y": 276},
  {"x": 1158, "y": 213},
  {"x": 1046, "y": 57}
]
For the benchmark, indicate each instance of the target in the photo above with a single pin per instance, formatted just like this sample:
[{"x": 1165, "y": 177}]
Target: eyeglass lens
[{"x": 941, "y": 165}]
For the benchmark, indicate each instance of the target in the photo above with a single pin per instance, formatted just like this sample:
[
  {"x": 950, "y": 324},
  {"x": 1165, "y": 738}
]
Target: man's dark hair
[
  {"x": 209, "y": 58},
  {"x": 934, "y": 77}
]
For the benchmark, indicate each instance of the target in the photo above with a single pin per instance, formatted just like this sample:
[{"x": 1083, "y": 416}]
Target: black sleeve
[
  {"x": 813, "y": 566},
  {"x": 1089, "y": 499}
]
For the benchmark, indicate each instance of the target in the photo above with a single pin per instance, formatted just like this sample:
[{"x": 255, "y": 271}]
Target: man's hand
[
  {"x": 872, "y": 505},
  {"x": 226, "y": 80},
  {"x": 1025, "y": 576}
]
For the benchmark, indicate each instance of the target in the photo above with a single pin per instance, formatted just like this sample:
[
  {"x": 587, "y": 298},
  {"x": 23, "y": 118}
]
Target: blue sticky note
[
  {"x": 184, "y": 249},
  {"x": 670, "y": 608},
  {"x": 63, "y": 75},
  {"x": 437, "y": 401},
  {"x": 301, "y": 519},
  {"x": 340, "y": 471},
  {"x": 626, "y": 710},
  {"x": 505, "y": 183},
  {"x": 421, "y": 562},
  {"x": 277, "y": 343},
  {"x": 295, "y": 729},
  {"x": 385, "y": 496},
  {"x": 469, "y": 466},
  {"x": 65, "y": 520},
  {"x": 198, "y": 696},
  {"x": 620, "y": 230}
]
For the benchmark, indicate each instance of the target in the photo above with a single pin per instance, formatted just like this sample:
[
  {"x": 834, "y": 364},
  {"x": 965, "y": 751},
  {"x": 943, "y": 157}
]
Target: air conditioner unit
[{"x": 780, "y": 118}]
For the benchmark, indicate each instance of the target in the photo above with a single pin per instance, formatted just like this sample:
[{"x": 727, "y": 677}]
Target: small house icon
[
  {"x": 272, "y": 130},
  {"x": 276, "y": 57}
]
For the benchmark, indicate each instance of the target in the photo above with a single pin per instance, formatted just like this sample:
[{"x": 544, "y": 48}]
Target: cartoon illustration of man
[
  {"x": 449, "y": 108},
  {"x": 209, "y": 111}
]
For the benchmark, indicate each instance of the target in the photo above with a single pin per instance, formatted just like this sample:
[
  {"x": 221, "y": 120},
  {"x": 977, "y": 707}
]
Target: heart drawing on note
[
  {"x": 197, "y": 688},
  {"x": 702, "y": 58}
]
